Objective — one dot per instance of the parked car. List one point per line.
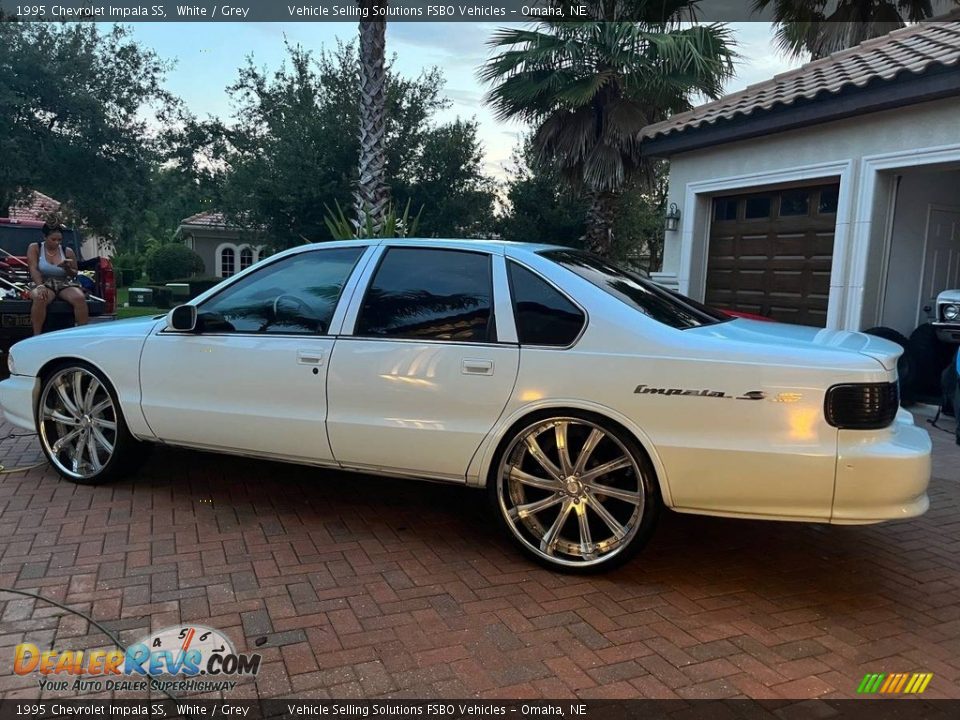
(947, 316)
(15, 237)
(582, 397)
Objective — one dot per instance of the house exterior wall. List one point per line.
(844, 149)
(917, 191)
(204, 246)
(207, 247)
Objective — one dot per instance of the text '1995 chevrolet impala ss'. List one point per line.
(581, 396)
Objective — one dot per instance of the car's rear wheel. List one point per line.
(81, 427)
(575, 491)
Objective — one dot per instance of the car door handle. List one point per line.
(309, 357)
(477, 367)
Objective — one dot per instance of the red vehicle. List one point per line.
(15, 238)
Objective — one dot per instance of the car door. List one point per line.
(428, 366)
(252, 377)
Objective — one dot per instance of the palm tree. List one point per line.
(808, 27)
(372, 196)
(589, 88)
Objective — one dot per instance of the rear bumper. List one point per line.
(17, 395)
(882, 475)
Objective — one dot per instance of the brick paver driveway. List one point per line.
(353, 586)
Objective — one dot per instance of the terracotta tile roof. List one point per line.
(913, 49)
(206, 219)
(36, 206)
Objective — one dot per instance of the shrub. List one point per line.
(167, 262)
(128, 267)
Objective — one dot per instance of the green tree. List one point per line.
(817, 28)
(293, 149)
(541, 206)
(589, 88)
(446, 177)
(76, 101)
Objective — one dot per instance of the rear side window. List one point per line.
(630, 288)
(426, 294)
(543, 315)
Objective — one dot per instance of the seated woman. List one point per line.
(54, 271)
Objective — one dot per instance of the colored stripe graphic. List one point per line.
(893, 683)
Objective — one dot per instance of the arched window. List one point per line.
(246, 258)
(227, 262)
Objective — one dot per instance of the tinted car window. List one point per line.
(427, 294)
(296, 295)
(640, 294)
(543, 315)
(15, 239)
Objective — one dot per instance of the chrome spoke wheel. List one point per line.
(571, 491)
(78, 423)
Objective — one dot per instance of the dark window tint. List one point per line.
(794, 202)
(638, 293)
(725, 209)
(757, 208)
(15, 239)
(543, 315)
(296, 295)
(828, 200)
(425, 294)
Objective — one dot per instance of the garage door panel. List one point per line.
(778, 267)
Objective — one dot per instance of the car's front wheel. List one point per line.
(577, 492)
(81, 427)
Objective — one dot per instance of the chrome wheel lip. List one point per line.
(565, 497)
(84, 416)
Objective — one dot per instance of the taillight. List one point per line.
(862, 406)
(109, 286)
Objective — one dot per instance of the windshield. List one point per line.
(649, 298)
(15, 239)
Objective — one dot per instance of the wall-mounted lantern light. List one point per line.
(672, 218)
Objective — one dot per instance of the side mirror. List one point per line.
(183, 318)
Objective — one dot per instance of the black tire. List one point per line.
(581, 537)
(59, 388)
(930, 356)
(905, 369)
(948, 386)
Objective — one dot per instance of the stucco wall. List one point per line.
(927, 125)
(205, 247)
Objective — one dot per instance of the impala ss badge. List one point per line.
(647, 390)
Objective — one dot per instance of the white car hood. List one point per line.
(771, 333)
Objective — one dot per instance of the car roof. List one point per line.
(497, 247)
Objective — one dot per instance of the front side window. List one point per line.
(630, 288)
(426, 294)
(296, 295)
(544, 316)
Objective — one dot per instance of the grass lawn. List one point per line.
(123, 297)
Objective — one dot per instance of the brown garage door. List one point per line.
(770, 253)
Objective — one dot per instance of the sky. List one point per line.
(207, 57)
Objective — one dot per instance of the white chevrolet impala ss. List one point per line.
(582, 397)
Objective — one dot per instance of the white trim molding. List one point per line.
(872, 166)
(218, 259)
